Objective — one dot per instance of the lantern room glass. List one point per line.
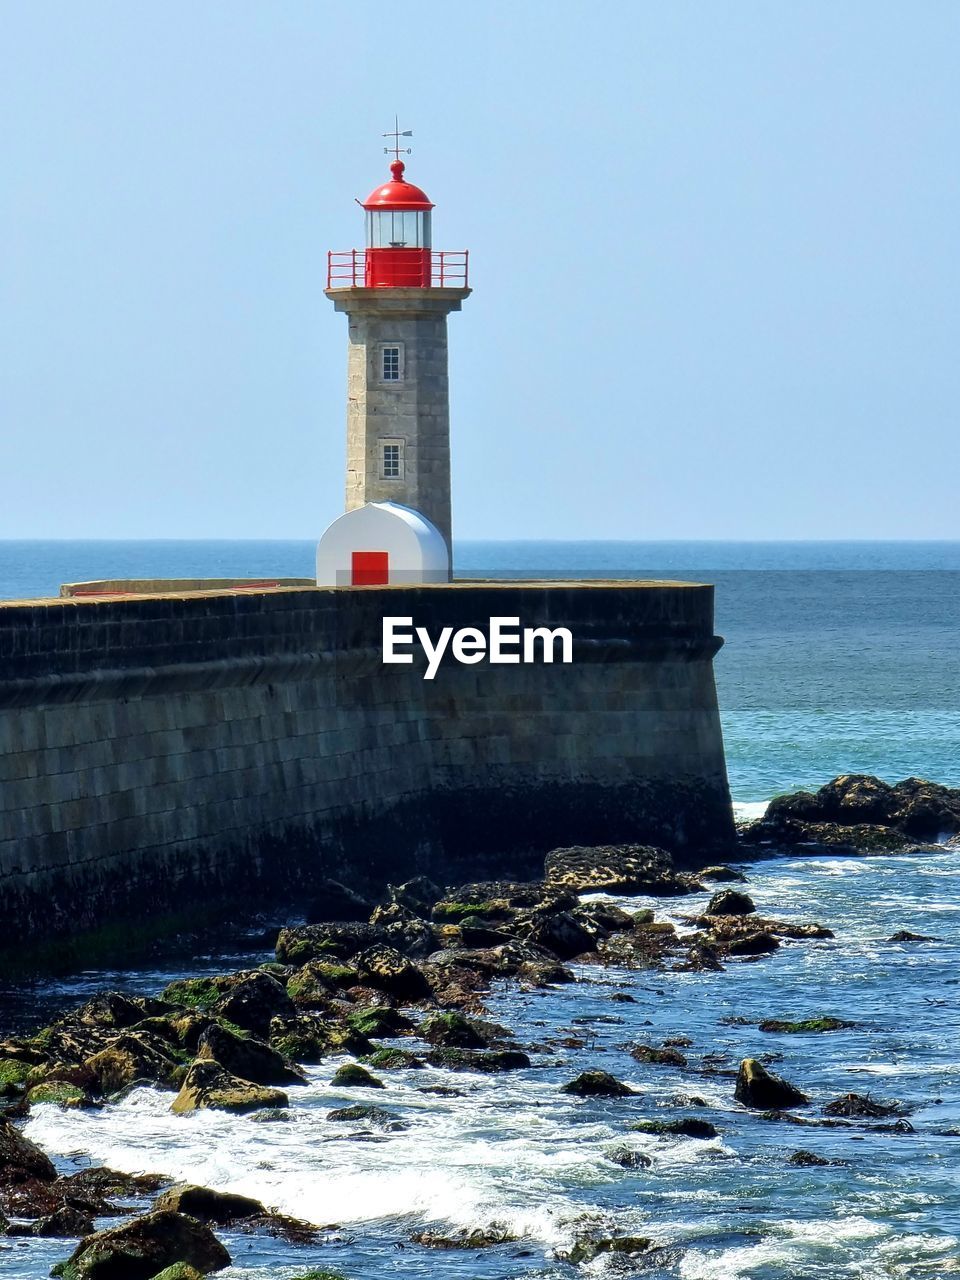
(398, 229)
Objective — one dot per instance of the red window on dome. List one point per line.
(370, 569)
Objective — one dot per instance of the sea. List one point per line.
(838, 658)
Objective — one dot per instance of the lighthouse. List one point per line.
(397, 293)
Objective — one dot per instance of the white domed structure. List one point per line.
(381, 544)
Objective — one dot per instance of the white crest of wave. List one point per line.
(440, 1170)
(749, 810)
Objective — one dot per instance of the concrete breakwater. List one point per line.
(161, 750)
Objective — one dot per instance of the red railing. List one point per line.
(348, 270)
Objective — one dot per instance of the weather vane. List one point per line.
(396, 135)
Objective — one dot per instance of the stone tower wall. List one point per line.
(414, 410)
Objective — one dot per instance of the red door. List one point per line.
(370, 569)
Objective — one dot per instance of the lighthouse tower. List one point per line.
(397, 293)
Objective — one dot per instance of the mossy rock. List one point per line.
(807, 1026)
(207, 1084)
(666, 1056)
(352, 1076)
(686, 1128)
(587, 1250)
(59, 1092)
(193, 993)
(320, 1275)
(393, 1060)
(598, 1084)
(380, 1020)
(144, 1248)
(13, 1072)
(488, 1061)
(13, 1077)
(454, 1031)
(330, 972)
(457, 912)
(179, 1271)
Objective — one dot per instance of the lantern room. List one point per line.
(398, 234)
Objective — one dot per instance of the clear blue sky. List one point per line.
(715, 250)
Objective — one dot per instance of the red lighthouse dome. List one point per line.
(398, 193)
(398, 234)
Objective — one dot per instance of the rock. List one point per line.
(855, 1104)
(180, 1271)
(702, 958)
(926, 810)
(761, 1090)
(320, 983)
(453, 911)
(730, 902)
(414, 938)
(808, 1026)
(686, 1128)
(417, 895)
(627, 869)
(562, 934)
(102, 1181)
(456, 1031)
(334, 901)
(300, 1039)
(904, 935)
(352, 1076)
(195, 993)
(627, 1158)
(375, 1115)
(488, 1062)
(326, 941)
(246, 1057)
(133, 1056)
(807, 1160)
(380, 1020)
(118, 1010)
(388, 970)
(544, 973)
(665, 1057)
(606, 916)
(393, 1060)
(473, 934)
(752, 944)
(722, 874)
(253, 1000)
(478, 1238)
(208, 1205)
(863, 813)
(598, 1084)
(627, 1246)
(66, 1222)
(142, 1248)
(209, 1085)
(60, 1093)
(21, 1159)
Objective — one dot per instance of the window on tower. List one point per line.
(390, 364)
(391, 460)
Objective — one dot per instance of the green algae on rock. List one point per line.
(209, 1085)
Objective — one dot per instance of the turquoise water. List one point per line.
(839, 657)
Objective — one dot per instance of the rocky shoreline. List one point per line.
(417, 967)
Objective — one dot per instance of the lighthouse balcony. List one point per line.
(398, 268)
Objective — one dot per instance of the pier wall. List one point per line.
(232, 746)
